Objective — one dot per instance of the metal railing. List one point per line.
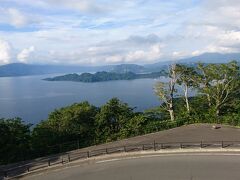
(67, 157)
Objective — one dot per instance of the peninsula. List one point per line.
(105, 76)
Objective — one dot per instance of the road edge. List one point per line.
(128, 155)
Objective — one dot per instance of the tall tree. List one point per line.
(66, 124)
(165, 91)
(223, 85)
(14, 140)
(113, 116)
(205, 80)
(187, 79)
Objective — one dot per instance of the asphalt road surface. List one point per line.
(155, 167)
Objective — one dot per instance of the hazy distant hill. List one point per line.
(19, 69)
(212, 58)
(204, 58)
(124, 68)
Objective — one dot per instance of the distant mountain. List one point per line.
(204, 58)
(124, 68)
(19, 69)
(212, 58)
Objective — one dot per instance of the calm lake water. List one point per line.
(33, 99)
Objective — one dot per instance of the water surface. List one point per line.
(32, 98)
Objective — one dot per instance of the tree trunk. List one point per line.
(217, 112)
(171, 112)
(186, 98)
(172, 88)
(217, 109)
(209, 100)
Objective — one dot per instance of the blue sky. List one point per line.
(97, 32)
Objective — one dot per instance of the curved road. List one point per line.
(160, 167)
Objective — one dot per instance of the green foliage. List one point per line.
(217, 92)
(66, 124)
(14, 141)
(166, 91)
(186, 75)
(134, 127)
(104, 76)
(113, 116)
(221, 84)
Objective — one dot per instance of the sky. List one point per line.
(99, 32)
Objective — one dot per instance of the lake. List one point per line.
(32, 99)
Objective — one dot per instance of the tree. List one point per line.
(135, 126)
(165, 91)
(204, 80)
(112, 117)
(14, 141)
(75, 122)
(187, 78)
(222, 84)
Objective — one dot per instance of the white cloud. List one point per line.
(178, 54)
(196, 53)
(16, 18)
(83, 6)
(217, 48)
(24, 55)
(5, 52)
(146, 55)
(114, 59)
(150, 55)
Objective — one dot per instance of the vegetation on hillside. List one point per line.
(217, 100)
(104, 76)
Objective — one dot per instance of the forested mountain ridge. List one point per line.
(104, 76)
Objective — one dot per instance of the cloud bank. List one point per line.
(5, 52)
(96, 32)
(25, 54)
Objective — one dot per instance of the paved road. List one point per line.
(189, 133)
(165, 167)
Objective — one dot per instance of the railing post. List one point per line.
(222, 145)
(78, 144)
(69, 160)
(28, 169)
(88, 154)
(5, 174)
(60, 148)
(49, 163)
(181, 146)
(24, 156)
